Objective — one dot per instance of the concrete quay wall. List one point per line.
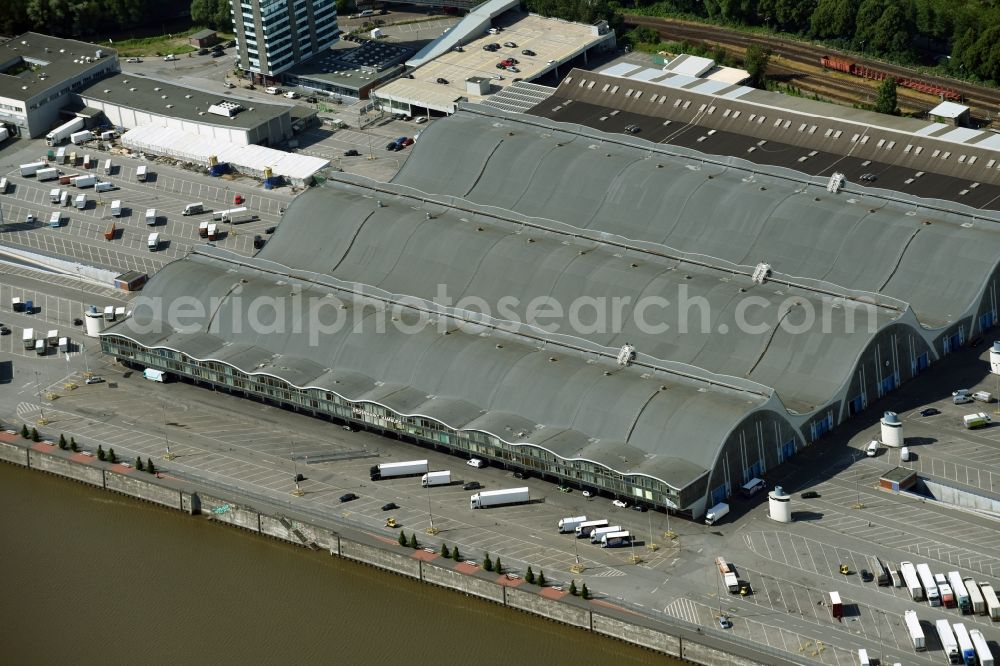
(141, 488)
(64, 467)
(13, 453)
(642, 636)
(296, 532)
(381, 558)
(462, 583)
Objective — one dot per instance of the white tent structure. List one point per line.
(249, 159)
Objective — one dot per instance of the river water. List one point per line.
(91, 577)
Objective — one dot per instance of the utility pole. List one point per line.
(298, 492)
(857, 479)
(651, 545)
(576, 567)
(38, 390)
(430, 516)
(166, 437)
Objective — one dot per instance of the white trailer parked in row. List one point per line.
(983, 652)
(965, 647)
(390, 470)
(489, 498)
(436, 479)
(595, 536)
(911, 580)
(915, 630)
(948, 642)
(584, 529)
(567, 525)
(930, 587)
(975, 596)
(63, 132)
(992, 604)
(961, 594)
(615, 539)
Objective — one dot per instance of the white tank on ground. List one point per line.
(892, 430)
(94, 321)
(995, 358)
(780, 505)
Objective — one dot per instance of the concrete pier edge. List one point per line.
(668, 636)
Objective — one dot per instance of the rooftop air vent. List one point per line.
(761, 273)
(626, 355)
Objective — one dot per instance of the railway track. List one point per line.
(985, 102)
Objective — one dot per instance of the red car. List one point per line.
(238, 199)
(407, 141)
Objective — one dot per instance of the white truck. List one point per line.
(81, 201)
(153, 242)
(141, 173)
(584, 529)
(728, 575)
(911, 580)
(154, 375)
(615, 539)
(961, 594)
(595, 536)
(716, 513)
(489, 498)
(915, 630)
(63, 132)
(225, 215)
(992, 604)
(948, 642)
(983, 651)
(85, 181)
(83, 136)
(151, 217)
(55, 194)
(31, 169)
(104, 186)
(977, 420)
(930, 586)
(52, 339)
(975, 596)
(390, 470)
(50, 173)
(436, 479)
(64, 344)
(567, 525)
(28, 338)
(965, 647)
(116, 208)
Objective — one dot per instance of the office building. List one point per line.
(275, 35)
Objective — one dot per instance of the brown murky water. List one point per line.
(91, 577)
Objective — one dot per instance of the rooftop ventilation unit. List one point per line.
(836, 182)
(626, 355)
(761, 273)
(225, 108)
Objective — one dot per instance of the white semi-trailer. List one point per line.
(992, 604)
(915, 630)
(930, 586)
(961, 594)
(615, 539)
(595, 536)
(983, 651)
(390, 470)
(489, 498)
(965, 647)
(63, 132)
(436, 479)
(975, 596)
(948, 642)
(584, 529)
(911, 580)
(569, 524)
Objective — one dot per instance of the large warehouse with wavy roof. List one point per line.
(646, 320)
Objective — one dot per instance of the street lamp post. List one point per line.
(38, 390)
(430, 516)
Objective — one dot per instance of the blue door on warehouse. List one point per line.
(986, 320)
(753, 471)
(821, 427)
(887, 384)
(786, 451)
(953, 342)
(923, 362)
(856, 405)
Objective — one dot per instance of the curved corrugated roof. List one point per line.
(741, 215)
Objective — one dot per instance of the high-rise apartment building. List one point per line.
(275, 35)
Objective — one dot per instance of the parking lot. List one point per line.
(168, 190)
(374, 160)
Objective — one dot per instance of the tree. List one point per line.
(345, 7)
(72, 444)
(413, 541)
(24, 431)
(444, 550)
(455, 555)
(149, 466)
(34, 435)
(833, 18)
(62, 442)
(755, 62)
(585, 593)
(213, 13)
(100, 453)
(572, 588)
(138, 464)
(111, 456)
(497, 566)
(402, 538)
(487, 563)
(885, 100)
(529, 576)
(541, 578)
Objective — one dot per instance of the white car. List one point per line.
(420, 120)
(621, 504)
(476, 462)
(291, 94)
(587, 493)
(133, 60)
(86, 453)
(169, 58)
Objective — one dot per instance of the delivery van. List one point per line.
(194, 208)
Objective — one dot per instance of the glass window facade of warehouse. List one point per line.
(427, 432)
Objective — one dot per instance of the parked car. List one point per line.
(589, 493)
(810, 494)
(633, 129)
(406, 142)
(725, 623)
(391, 147)
(351, 153)
(565, 489)
(420, 120)
(311, 99)
(442, 81)
(867, 576)
(390, 506)
(270, 230)
(472, 485)
(134, 60)
(347, 497)
(528, 52)
(510, 45)
(640, 508)
(169, 58)
(96, 379)
(202, 51)
(520, 475)
(229, 85)
(930, 411)
(498, 77)
(621, 504)
(218, 54)
(512, 68)
(490, 47)
(476, 462)
(4, 330)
